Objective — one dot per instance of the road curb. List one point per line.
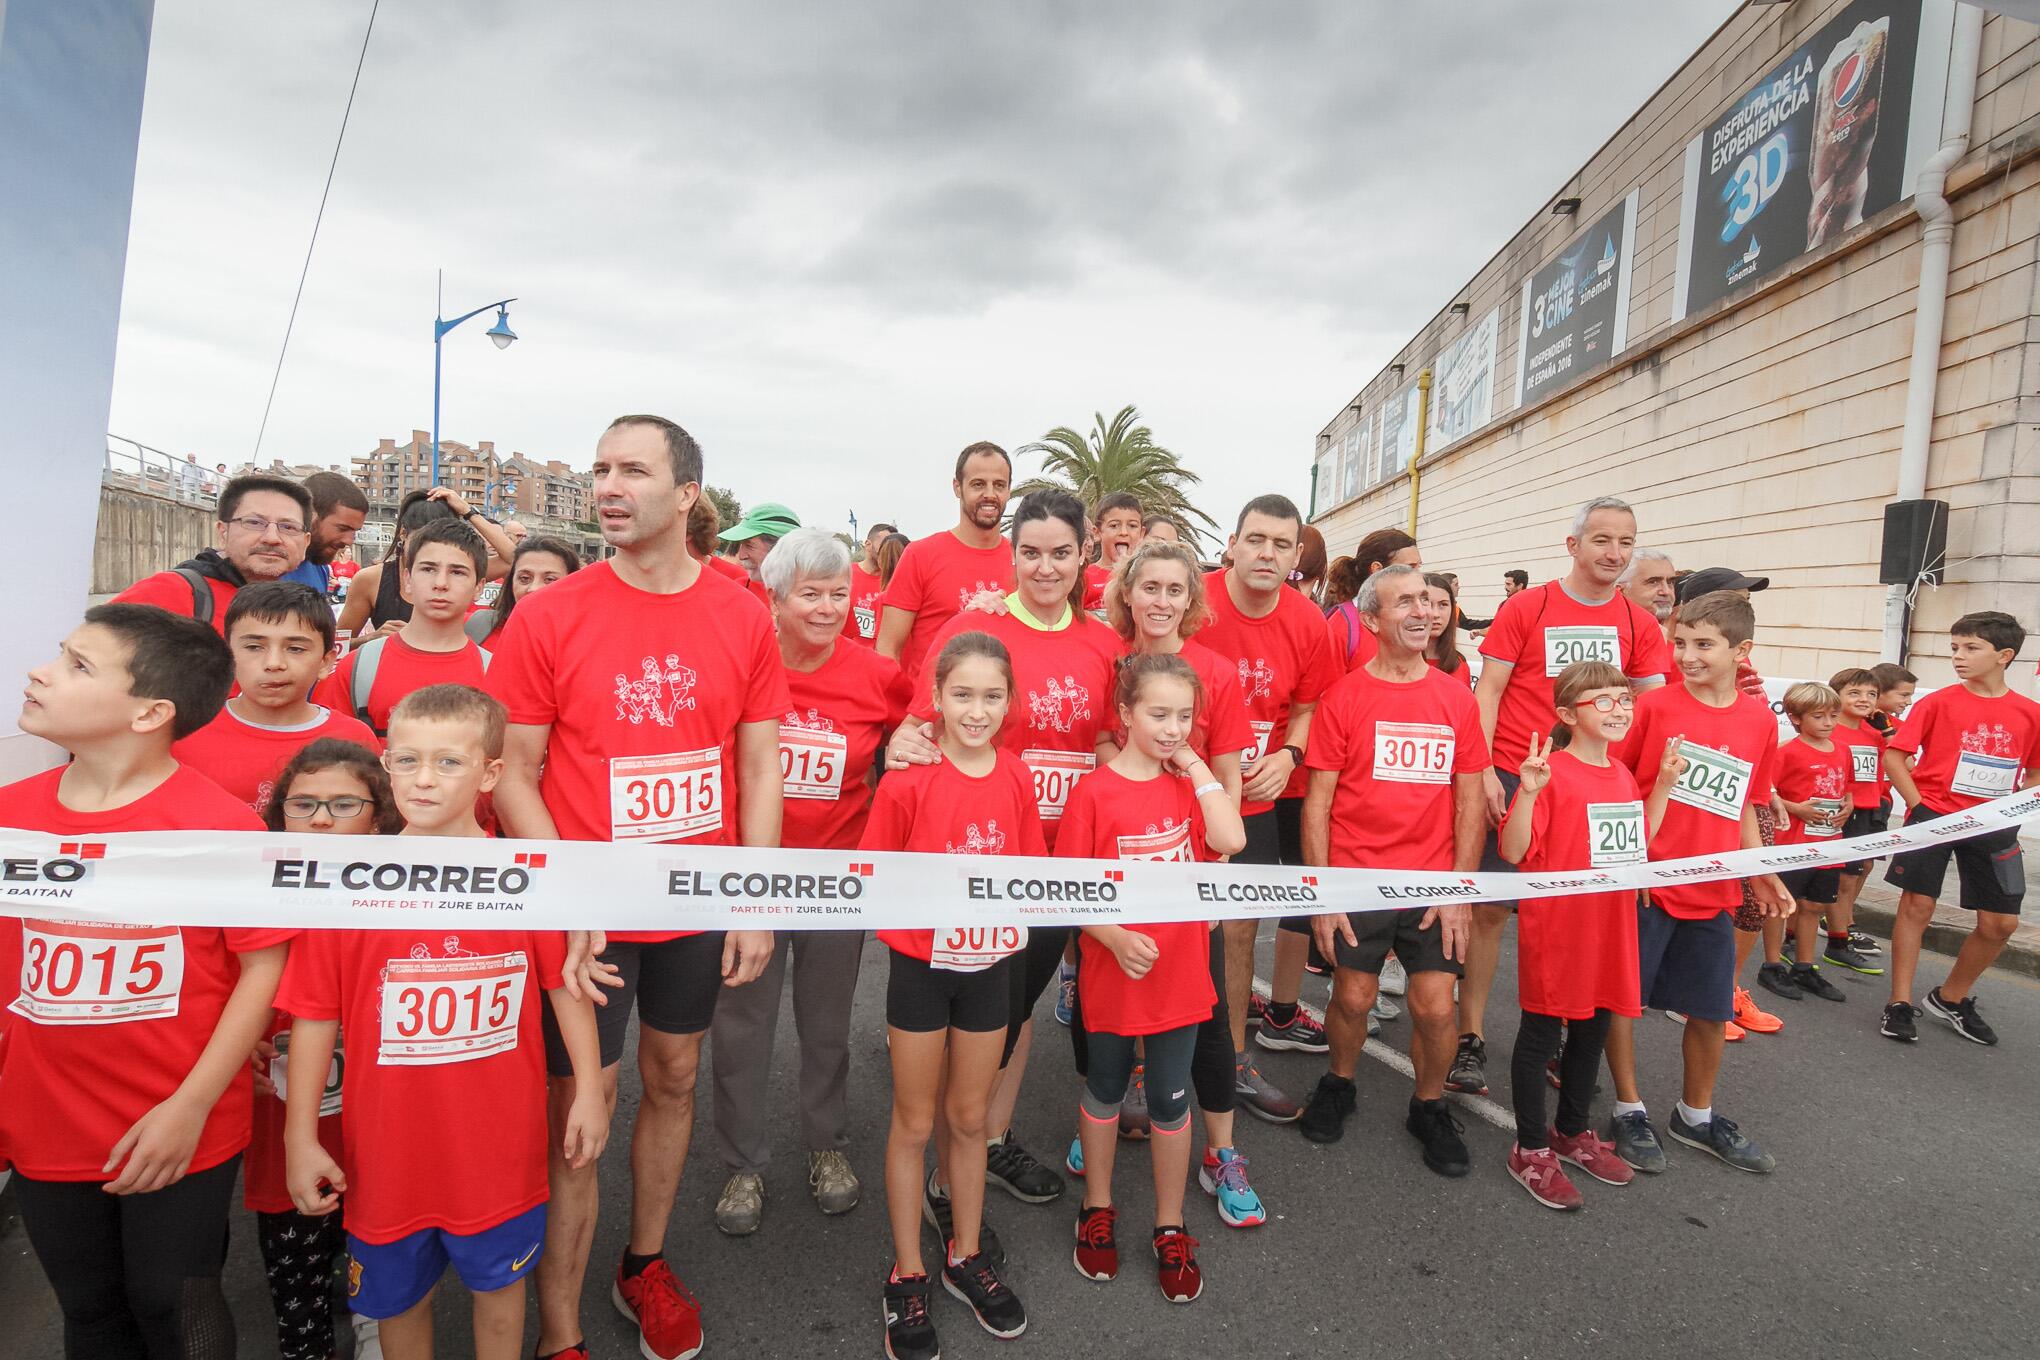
(2021, 955)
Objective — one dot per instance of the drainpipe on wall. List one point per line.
(1417, 458)
(1937, 240)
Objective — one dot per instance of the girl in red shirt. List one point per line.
(1156, 800)
(1576, 956)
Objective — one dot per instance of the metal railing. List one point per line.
(130, 462)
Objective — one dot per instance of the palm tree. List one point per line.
(1119, 456)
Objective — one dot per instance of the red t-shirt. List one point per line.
(866, 591)
(827, 740)
(1865, 747)
(1464, 674)
(1576, 955)
(1096, 576)
(1538, 633)
(1221, 724)
(264, 1189)
(77, 1078)
(1804, 775)
(936, 577)
(1113, 817)
(1968, 749)
(1354, 644)
(643, 694)
(939, 810)
(400, 669)
(244, 759)
(1283, 659)
(1731, 755)
(1397, 748)
(168, 590)
(445, 1093)
(1062, 697)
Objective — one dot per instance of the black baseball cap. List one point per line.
(1709, 579)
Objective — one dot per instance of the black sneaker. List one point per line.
(1808, 979)
(1431, 1122)
(1962, 1017)
(1780, 980)
(1898, 1023)
(909, 1332)
(935, 1209)
(1016, 1171)
(1469, 1068)
(1849, 957)
(1865, 943)
(976, 1281)
(1330, 1106)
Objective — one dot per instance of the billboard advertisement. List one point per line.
(1576, 308)
(1398, 431)
(1463, 383)
(1833, 134)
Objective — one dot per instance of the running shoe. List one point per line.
(1733, 1033)
(1865, 943)
(1302, 1034)
(1636, 1142)
(1176, 1265)
(909, 1331)
(1133, 1111)
(1097, 1251)
(1331, 1105)
(1777, 979)
(1432, 1123)
(1019, 1173)
(1753, 1017)
(834, 1184)
(1810, 981)
(1395, 979)
(935, 1209)
(1261, 1096)
(1900, 1023)
(1594, 1155)
(1257, 1009)
(1720, 1137)
(1065, 993)
(975, 1280)
(1854, 959)
(1224, 1177)
(1537, 1170)
(1469, 1069)
(667, 1317)
(1730, 1030)
(368, 1336)
(1962, 1017)
(742, 1205)
(1073, 1160)
(1383, 1009)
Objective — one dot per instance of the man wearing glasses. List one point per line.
(261, 535)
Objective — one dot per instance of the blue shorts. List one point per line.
(388, 1278)
(1687, 966)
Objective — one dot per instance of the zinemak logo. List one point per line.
(30, 877)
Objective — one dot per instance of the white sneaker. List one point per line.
(1394, 980)
(367, 1338)
(1384, 1009)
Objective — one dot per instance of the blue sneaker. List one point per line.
(1224, 1178)
(1065, 994)
(1074, 1161)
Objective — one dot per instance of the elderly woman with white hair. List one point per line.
(845, 698)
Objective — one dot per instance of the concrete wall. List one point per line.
(140, 534)
(1764, 434)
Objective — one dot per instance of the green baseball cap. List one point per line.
(762, 521)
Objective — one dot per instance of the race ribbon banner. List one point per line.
(245, 878)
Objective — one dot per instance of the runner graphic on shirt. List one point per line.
(658, 694)
(1065, 704)
(990, 841)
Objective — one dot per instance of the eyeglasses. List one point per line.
(1608, 703)
(339, 809)
(257, 525)
(410, 762)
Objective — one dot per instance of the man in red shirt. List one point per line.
(644, 695)
(262, 534)
(939, 574)
(1582, 616)
(753, 537)
(866, 590)
(1651, 582)
(1396, 764)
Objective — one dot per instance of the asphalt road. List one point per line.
(1900, 1221)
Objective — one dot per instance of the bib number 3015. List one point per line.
(666, 797)
(87, 973)
(450, 1010)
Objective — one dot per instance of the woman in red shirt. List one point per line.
(1443, 654)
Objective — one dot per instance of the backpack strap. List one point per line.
(1351, 613)
(201, 594)
(361, 681)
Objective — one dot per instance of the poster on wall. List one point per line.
(1398, 431)
(1575, 314)
(1351, 463)
(1463, 383)
(1833, 134)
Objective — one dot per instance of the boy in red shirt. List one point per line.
(281, 636)
(446, 1155)
(1962, 746)
(443, 566)
(125, 1098)
(1814, 775)
(1685, 933)
(1864, 743)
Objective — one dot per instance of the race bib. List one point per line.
(279, 1075)
(1263, 731)
(1714, 781)
(1614, 834)
(450, 1010)
(88, 973)
(811, 762)
(972, 949)
(664, 798)
(1055, 774)
(1828, 807)
(1982, 776)
(1863, 764)
(1413, 753)
(867, 621)
(1580, 642)
(1171, 846)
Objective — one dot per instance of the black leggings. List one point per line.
(138, 1276)
(1212, 1072)
(1537, 1041)
(298, 1253)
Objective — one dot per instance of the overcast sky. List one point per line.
(839, 242)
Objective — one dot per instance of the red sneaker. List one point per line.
(1097, 1253)
(667, 1317)
(1537, 1170)
(1594, 1155)
(1176, 1265)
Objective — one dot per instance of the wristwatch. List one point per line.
(1295, 755)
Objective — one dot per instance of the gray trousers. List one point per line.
(824, 966)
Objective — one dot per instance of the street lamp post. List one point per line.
(500, 333)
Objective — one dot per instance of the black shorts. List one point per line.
(672, 983)
(1276, 837)
(1686, 966)
(1991, 868)
(1863, 821)
(922, 999)
(1818, 886)
(1421, 951)
(1491, 860)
